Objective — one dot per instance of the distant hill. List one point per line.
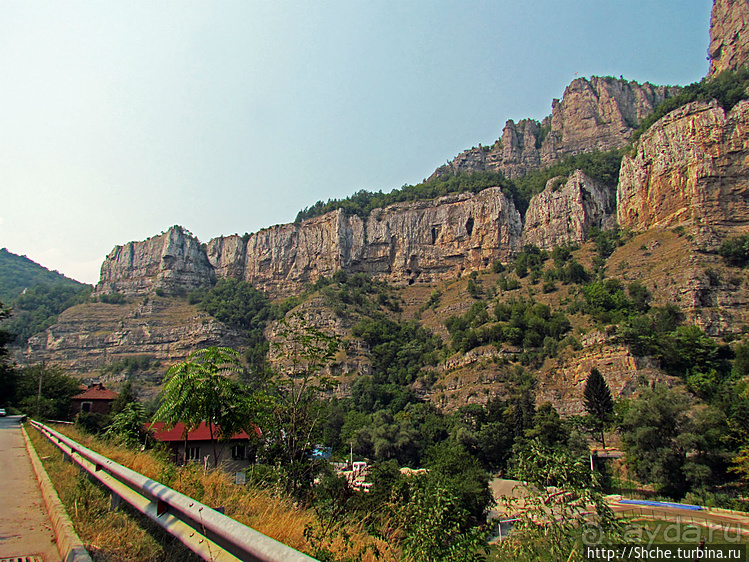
(35, 295)
(19, 272)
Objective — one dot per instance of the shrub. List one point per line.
(735, 250)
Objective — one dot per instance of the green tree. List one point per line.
(8, 373)
(126, 396)
(57, 390)
(293, 409)
(598, 402)
(127, 424)
(559, 494)
(434, 522)
(671, 441)
(548, 426)
(201, 389)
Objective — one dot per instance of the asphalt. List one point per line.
(25, 526)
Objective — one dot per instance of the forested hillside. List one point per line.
(18, 273)
(34, 294)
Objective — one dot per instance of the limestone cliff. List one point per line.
(729, 35)
(408, 242)
(432, 240)
(88, 337)
(599, 113)
(689, 167)
(566, 210)
(173, 261)
(284, 257)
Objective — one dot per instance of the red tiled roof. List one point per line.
(96, 392)
(177, 433)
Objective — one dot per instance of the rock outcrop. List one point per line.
(596, 114)
(566, 210)
(408, 242)
(729, 35)
(689, 167)
(88, 337)
(430, 240)
(173, 261)
(286, 256)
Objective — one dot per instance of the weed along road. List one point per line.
(25, 527)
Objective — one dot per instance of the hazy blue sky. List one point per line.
(119, 119)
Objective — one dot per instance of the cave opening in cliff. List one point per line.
(469, 226)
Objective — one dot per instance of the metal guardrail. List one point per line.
(205, 531)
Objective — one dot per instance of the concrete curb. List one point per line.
(68, 543)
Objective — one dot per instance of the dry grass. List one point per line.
(126, 535)
(123, 535)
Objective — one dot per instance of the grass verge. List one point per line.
(126, 535)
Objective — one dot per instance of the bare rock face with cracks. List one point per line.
(729, 36)
(689, 167)
(405, 243)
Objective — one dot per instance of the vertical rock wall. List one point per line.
(172, 261)
(566, 210)
(729, 35)
(689, 167)
(404, 243)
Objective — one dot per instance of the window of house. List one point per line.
(192, 454)
(86, 406)
(238, 452)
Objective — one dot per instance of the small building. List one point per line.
(95, 399)
(196, 445)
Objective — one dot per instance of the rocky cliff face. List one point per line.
(566, 210)
(87, 337)
(286, 256)
(689, 167)
(431, 240)
(173, 261)
(729, 35)
(596, 114)
(408, 242)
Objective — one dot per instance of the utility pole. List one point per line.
(39, 394)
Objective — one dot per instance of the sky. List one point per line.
(119, 119)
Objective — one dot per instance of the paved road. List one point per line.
(25, 528)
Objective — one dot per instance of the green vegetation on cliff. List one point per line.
(600, 166)
(728, 88)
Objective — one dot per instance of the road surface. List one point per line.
(25, 528)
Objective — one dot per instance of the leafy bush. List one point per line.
(399, 350)
(130, 365)
(519, 322)
(735, 250)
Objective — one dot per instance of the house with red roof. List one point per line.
(197, 446)
(95, 399)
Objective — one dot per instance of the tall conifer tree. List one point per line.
(598, 401)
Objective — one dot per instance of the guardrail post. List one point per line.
(114, 502)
